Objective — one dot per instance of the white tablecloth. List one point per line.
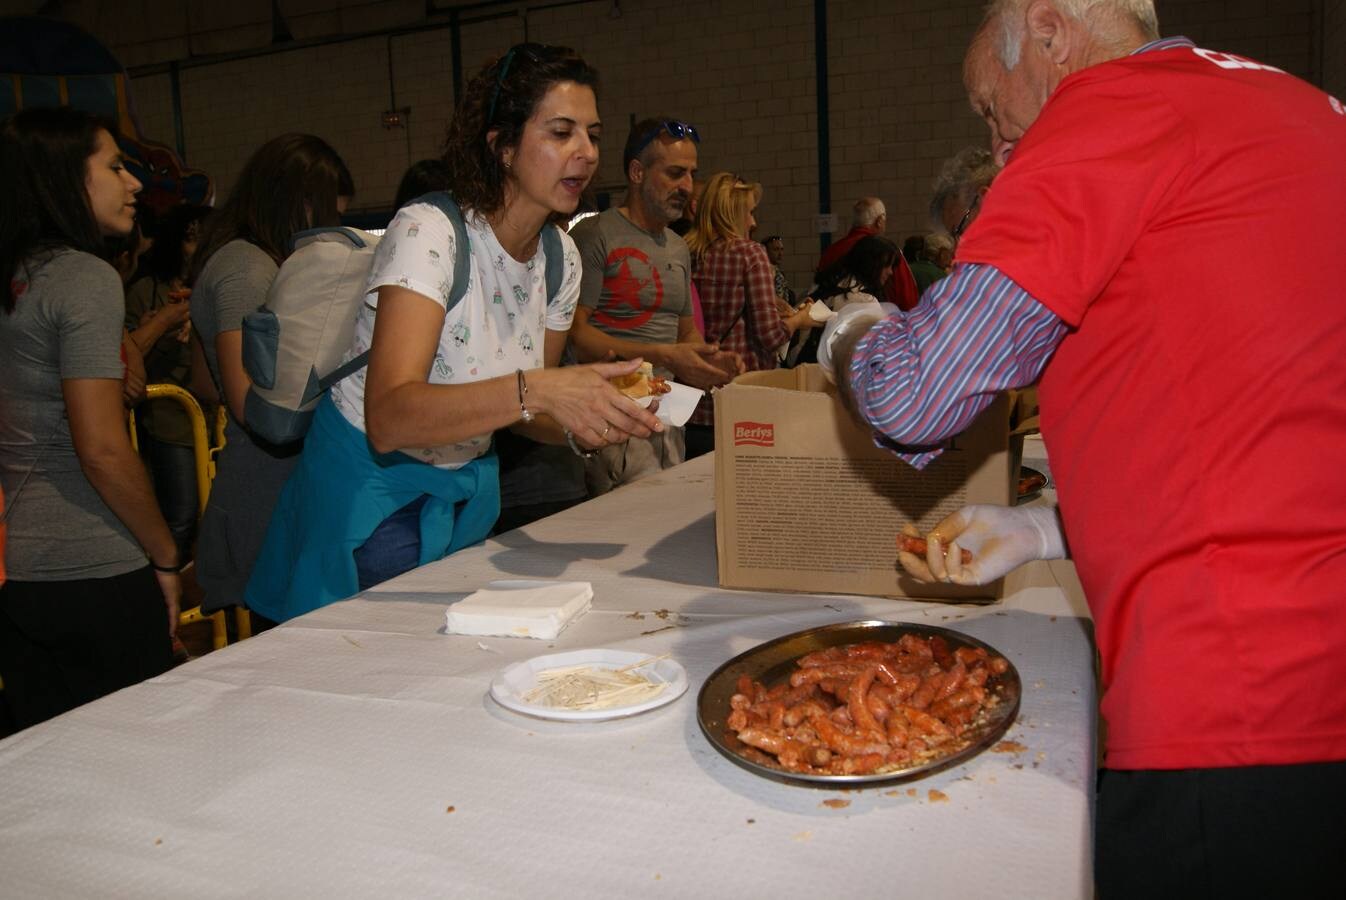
(354, 752)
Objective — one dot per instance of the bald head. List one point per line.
(869, 211)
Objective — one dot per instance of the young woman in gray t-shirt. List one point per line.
(92, 567)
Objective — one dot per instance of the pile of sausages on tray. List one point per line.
(867, 708)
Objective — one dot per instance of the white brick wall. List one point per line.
(741, 70)
(152, 102)
(1270, 31)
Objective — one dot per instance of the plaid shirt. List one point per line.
(736, 282)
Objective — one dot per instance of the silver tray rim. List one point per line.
(764, 657)
(1024, 471)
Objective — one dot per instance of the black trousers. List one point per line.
(1259, 831)
(64, 643)
(700, 440)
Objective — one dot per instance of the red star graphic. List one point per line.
(622, 289)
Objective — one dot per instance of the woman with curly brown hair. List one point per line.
(398, 467)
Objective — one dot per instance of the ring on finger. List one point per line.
(606, 429)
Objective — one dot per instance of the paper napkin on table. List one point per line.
(532, 609)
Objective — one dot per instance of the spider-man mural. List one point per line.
(44, 62)
(166, 182)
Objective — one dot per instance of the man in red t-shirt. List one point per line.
(870, 217)
(1194, 408)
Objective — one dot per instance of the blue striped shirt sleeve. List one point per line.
(921, 377)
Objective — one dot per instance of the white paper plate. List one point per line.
(514, 681)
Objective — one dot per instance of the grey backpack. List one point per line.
(293, 343)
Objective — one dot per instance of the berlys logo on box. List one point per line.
(756, 434)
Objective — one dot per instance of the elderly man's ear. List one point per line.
(1048, 29)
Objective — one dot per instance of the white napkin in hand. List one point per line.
(533, 609)
(820, 311)
(677, 406)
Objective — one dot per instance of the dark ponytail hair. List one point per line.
(502, 97)
(290, 183)
(44, 200)
(864, 264)
(419, 179)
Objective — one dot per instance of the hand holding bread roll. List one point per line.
(641, 383)
(582, 400)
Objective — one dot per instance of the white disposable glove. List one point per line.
(851, 318)
(1000, 538)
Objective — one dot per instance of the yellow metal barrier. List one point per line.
(200, 439)
(217, 437)
(204, 452)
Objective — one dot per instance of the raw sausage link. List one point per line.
(856, 709)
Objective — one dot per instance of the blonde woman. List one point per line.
(735, 280)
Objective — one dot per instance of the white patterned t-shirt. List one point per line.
(500, 324)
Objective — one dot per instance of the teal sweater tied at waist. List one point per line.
(338, 494)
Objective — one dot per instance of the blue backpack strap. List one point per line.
(462, 257)
(556, 270)
(462, 260)
(354, 364)
(462, 270)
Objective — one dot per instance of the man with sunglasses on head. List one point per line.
(870, 217)
(635, 293)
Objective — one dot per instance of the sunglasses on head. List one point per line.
(533, 52)
(677, 130)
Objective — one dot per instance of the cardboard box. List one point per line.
(804, 501)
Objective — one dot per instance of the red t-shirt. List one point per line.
(1182, 211)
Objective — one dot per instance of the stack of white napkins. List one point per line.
(533, 609)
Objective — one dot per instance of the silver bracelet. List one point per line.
(570, 439)
(524, 411)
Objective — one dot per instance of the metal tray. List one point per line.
(1036, 481)
(773, 661)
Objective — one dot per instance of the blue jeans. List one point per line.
(173, 470)
(393, 548)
